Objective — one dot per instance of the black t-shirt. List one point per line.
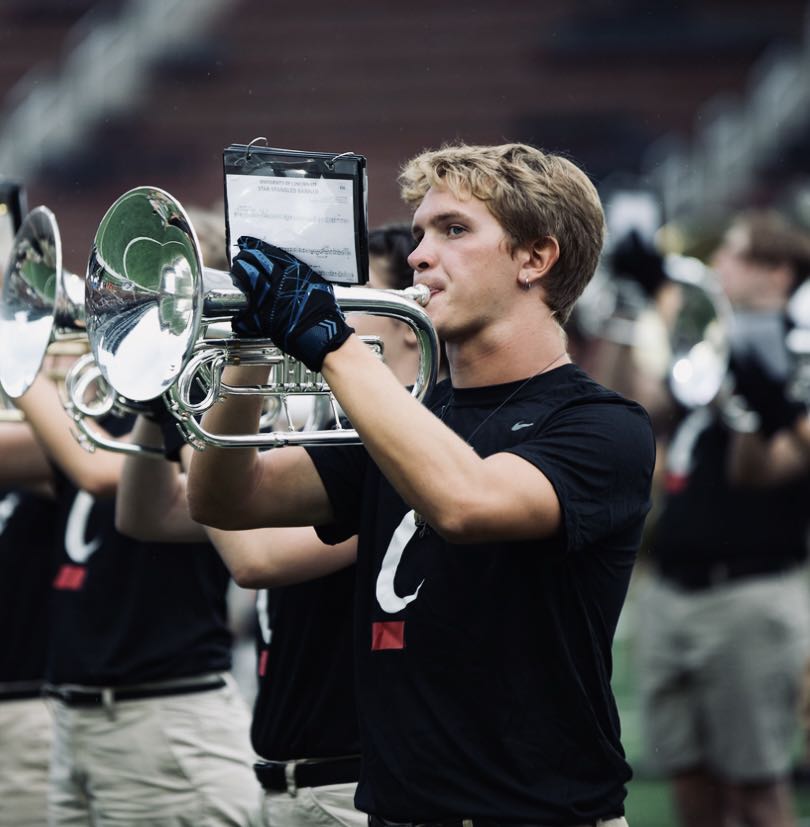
(27, 567)
(125, 611)
(305, 706)
(484, 670)
(706, 522)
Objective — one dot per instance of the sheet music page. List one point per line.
(312, 218)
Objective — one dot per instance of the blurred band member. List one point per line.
(304, 718)
(148, 725)
(724, 623)
(27, 518)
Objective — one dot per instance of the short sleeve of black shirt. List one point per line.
(343, 472)
(591, 454)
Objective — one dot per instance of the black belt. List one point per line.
(279, 776)
(376, 821)
(698, 579)
(98, 697)
(20, 690)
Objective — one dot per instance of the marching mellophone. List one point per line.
(157, 323)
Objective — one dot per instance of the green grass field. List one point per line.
(648, 803)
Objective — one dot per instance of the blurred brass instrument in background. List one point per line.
(158, 323)
(42, 303)
(42, 327)
(679, 336)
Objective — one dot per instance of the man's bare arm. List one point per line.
(24, 463)
(237, 488)
(761, 462)
(97, 473)
(462, 496)
(152, 505)
(270, 557)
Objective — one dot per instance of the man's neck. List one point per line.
(494, 360)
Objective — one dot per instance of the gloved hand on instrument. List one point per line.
(288, 302)
(764, 394)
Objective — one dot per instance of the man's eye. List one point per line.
(455, 230)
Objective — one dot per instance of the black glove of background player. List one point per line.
(636, 259)
(764, 394)
(288, 302)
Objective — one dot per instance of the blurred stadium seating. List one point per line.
(97, 97)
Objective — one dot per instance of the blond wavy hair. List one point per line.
(533, 195)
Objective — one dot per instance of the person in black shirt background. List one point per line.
(27, 567)
(147, 724)
(304, 717)
(724, 622)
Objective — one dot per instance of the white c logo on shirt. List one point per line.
(387, 597)
(77, 548)
(8, 505)
(263, 616)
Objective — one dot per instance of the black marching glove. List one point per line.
(288, 302)
(636, 259)
(764, 394)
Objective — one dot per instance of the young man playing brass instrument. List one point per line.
(497, 525)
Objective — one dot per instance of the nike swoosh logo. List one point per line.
(520, 425)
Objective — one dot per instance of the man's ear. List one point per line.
(538, 260)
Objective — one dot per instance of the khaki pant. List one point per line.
(720, 674)
(328, 806)
(25, 745)
(162, 762)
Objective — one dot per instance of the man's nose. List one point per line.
(421, 258)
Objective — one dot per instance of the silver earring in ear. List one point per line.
(527, 284)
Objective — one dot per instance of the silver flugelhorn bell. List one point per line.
(696, 316)
(41, 303)
(152, 309)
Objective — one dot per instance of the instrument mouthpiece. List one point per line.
(420, 293)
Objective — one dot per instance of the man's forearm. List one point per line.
(99, 472)
(237, 488)
(151, 502)
(271, 557)
(759, 462)
(24, 461)
(219, 477)
(433, 469)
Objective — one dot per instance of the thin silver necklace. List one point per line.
(418, 518)
(514, 393)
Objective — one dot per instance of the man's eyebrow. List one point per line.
(441, 218)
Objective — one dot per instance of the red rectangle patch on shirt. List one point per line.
(389, 634)
(70, 578)
(675, 483)
(263, 662)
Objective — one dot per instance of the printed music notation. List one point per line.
(312, 218)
